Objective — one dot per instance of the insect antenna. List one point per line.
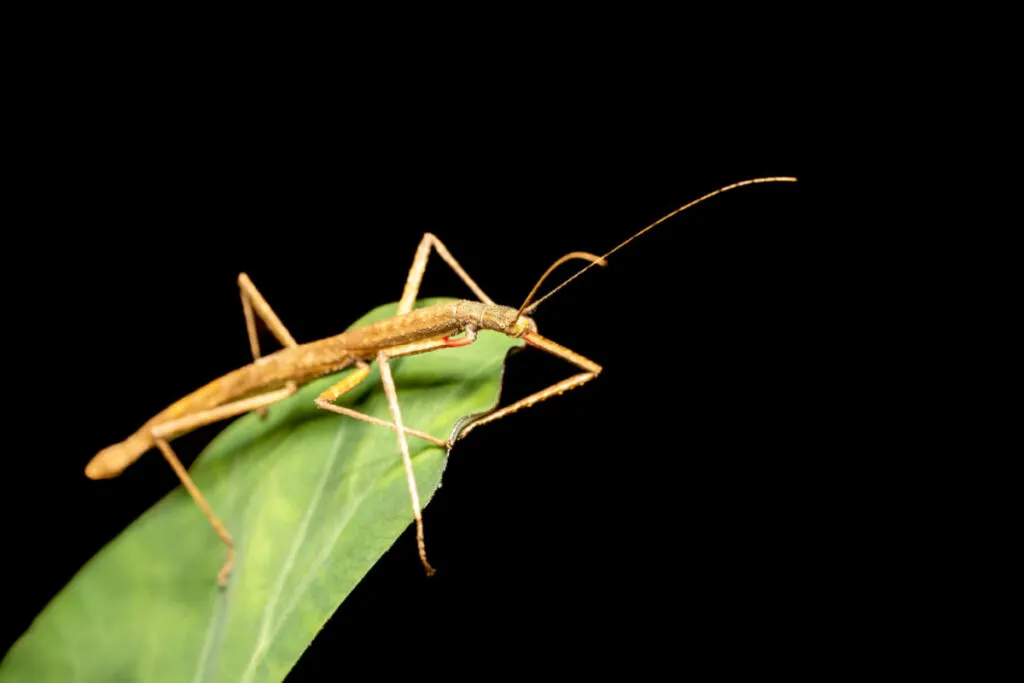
(586, 256)
(600, 260)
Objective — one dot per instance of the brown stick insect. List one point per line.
(274, 377)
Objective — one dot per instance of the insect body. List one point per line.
(403, 334)
(274, 377)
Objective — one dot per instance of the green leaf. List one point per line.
(312, 499)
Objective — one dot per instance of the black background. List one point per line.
(684, 507)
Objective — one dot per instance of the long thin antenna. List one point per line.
(599, 261)
(594, 261)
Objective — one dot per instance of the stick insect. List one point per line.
(277, 376)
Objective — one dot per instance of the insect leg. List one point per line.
(162, 432)
(419, 264)
(325, 401)
(403, 444)
(592, 370)
(253, 301)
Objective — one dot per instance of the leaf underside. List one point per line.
(312, 500)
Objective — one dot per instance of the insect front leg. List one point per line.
(592, 370)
